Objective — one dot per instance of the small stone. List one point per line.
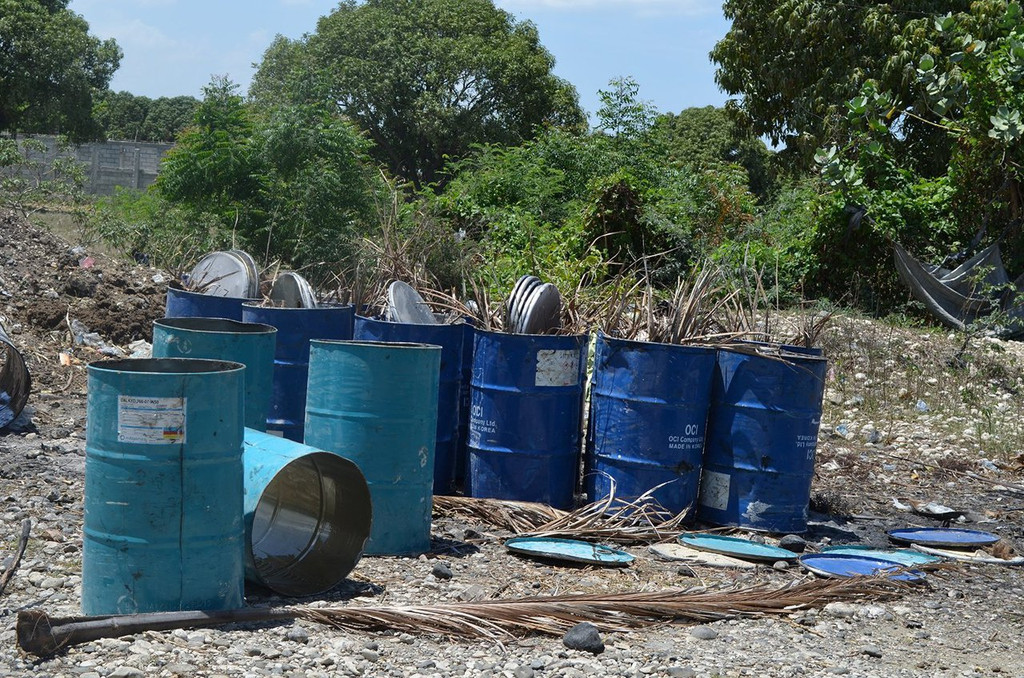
(298, 634)
(794, 543)
(680, 672)
(181, 669)
(524, 672)
(871, 651)
(781, 565)
(841, 610)
(441, 571)
(370, 655)
(471, 593)
(126, 672)
(584, 636)
(703, 633)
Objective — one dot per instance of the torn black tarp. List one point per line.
(976, 289)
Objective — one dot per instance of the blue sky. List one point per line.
(172, 47)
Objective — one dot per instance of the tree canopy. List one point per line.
(425, 79)
(707, 137)
(793, 64)
(130, 117)
(50, 69)
(292, 181)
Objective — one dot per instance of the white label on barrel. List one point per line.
(151, 421)
(714, 490)
(557, 368)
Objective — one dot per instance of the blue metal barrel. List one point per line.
(185, 304)
(648, 416)
(163, 487)
(762, 435)
(307, 515)
(295, 328)
(376, 404)
(251, 344)
(449, 338)
(525, 416)
(466, 379)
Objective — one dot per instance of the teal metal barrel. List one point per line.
(295, 328)
(307, 515)
(762, 435)
(163, 528)
(375, 403)
(526, 412)
(251, 344)
(449, 338)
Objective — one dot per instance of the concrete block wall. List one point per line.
(111, 164)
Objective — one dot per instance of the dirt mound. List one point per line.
(51, 291)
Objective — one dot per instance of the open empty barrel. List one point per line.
(449, 337)
(307, 515)
(375, 403)
(163, 527)
(15, 382)
(251, 344)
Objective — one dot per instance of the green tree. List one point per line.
(426, 79)
(213, 167)
(292, 182)
(974, 90)
(168, 117)
(707, 137)
(606, 199)
(50, 69)
(129, 117)
(122, 115)
(793, 64)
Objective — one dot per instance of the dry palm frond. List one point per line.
(744, 312)
(514, 516)
(641, 521)
(494, 620)
(693, 311)
(501, 619)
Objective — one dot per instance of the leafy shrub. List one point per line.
(144, 225)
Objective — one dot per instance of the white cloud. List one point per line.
(135, 32)
(689, 7)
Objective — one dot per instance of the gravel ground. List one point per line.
(909, 417)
